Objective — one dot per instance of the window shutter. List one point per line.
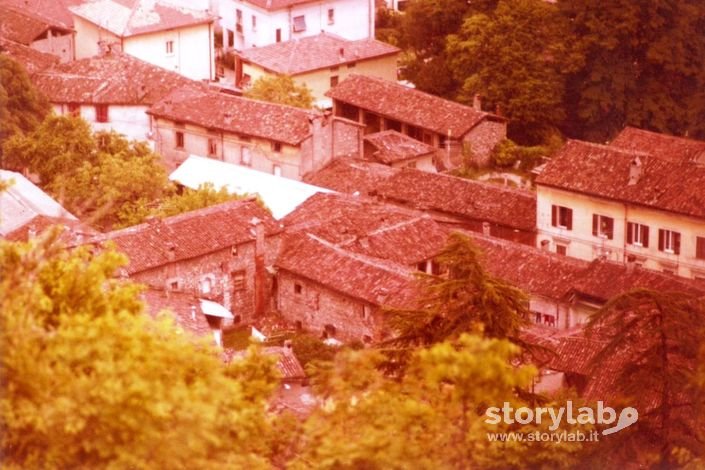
(676, 243)
(610, 228)
(645, 236)
(660, 239)
(630, 236)
(554, 216)
(700, 248)
(569, 217)
(595, 222)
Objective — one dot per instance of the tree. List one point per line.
(281, 89)
(651, 343)
(517, 59)
(467, 299)
(22, 107)
(89, 381)
(433, 418)
(191, 199)
(639, 68)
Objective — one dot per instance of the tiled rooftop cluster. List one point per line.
(392, 147)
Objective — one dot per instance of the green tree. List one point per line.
(651, 344)
(639, 67)
(465, 299)
(89, 381)
(517, 58)
(433, 418)
(281, 89)
(191, 199)
(22, 107)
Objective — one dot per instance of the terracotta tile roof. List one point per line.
(73, 229)
(371, 280)
(113, 78)
(55, 12)
(184, 308)
(315, 52)
(23, 26)
(126, 18)
(393, 146)
(237, 115)
(196, 233)
(665, 183)
(369, 228)
(287, 362)
(350, 176)
(33, 60)
(408, 105)
(662, 146)
(461, 197)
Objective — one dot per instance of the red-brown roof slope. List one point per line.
(126, 18)
(370, 228)
(461, 197)
(23, 26)
(196, 233)
(603, 171)
(237, 115)
(184, 308)
(55, 12)
(350, 176)
(72, 229)
(405, 104)
(315, 52)
(33, 60)
(393, 147)
(113, 78)
(360, 277)
(662, 146)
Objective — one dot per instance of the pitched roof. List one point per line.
(23, 201)
(126, 18)
(72, 229)
(670, 183)
(287, 362)
(237, 115)
(311, 53)
(113, 78)
(405, 104)
(32, 59)
(662, 146)
(52, 11)
(183, 307)
(196, 233)
(371, 280)
(369, 228)
(393, 146)
(461, 197)
(350, 176)
(23, 26)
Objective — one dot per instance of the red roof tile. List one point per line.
(360, 277)
(184, 308)
(350, 176)
(237, 115)
(393, 147)
(23, 26)
(114, 78)
(55, 12)
(287, 362)
(461, 197)
(405, 104)
(667, 183)
(196, 233)
(32, 60)
(662, 146)
(73, 229)
(315, 52)
(126, 18)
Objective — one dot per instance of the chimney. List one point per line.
(545, 245)
(341, 52)
(634, 171)
(477, 102)
(486, 229)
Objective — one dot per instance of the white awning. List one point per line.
(214, 309)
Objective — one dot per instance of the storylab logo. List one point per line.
(603, 415)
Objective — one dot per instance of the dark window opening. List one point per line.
(101, 113)
(179, 140)
(297, 288)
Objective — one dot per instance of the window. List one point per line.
(333, 81)
(169, 47)
(347, 111)
(669, 241)
(331, 16)
(238, 280)
(352, 65)
(279, 35)
(101, 113)
(238, 21)
(299, 24)
(638, 234)
(212, 147)
(74, 109)
(174, 285)
(562, 217)
(421, 266)
(276, 147)
(391, 125)
(410, 165)
(254, 23)
(297, 288)
(603, 226)
(414, 132)
(206, 285)
(179, 140)
(561, 250)
(700, 247)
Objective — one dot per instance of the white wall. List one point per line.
(131, 121)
